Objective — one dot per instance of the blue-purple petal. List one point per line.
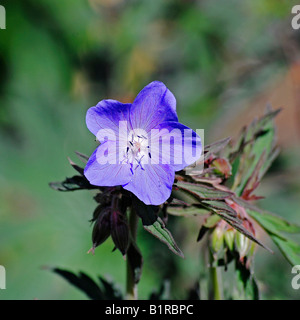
(106, 115)
(108, 174)
(153, 105)
(179, 146)
(152, 184)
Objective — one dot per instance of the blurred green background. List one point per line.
(223, 61)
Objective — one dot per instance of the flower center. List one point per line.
(137, 151)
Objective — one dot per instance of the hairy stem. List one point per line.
(131, 287)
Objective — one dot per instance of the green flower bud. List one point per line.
(217, 239)
(229, 237)
(242, 244)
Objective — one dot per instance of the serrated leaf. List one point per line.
(159, 230)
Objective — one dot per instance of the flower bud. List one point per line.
(97, 212)
(119, 231)
(101, 229)
(243, 244)
(222, 166)
(229, 237)
(217, 239)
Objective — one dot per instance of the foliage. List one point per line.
(222, 192)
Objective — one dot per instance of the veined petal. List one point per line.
(104, 168)
(153, 105)
(152, 184)
(106, 117)
(175, 144)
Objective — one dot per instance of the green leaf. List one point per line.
(220, 205)
(201, 192)
(159, 230)
(153, 224)
(183, 196)
(186, 211)
(258, 139)
(289, 248)
(276, 227)
(271, 223)
(215, 147)
(246, 284)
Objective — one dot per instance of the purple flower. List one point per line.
(142, 144)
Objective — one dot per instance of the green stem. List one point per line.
(131, 287)
(216, 279)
